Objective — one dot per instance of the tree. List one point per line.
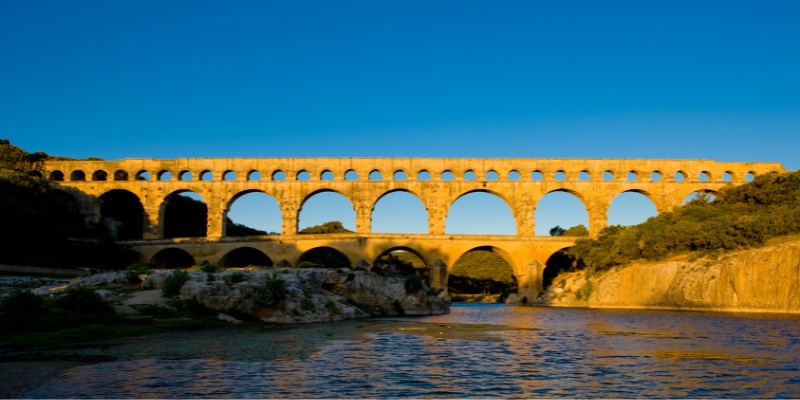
(557, 231)
(328, 227)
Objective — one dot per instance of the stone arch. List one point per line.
(375, 175)
(77, 175)
(543, 214)
(537, 175)
(608, 175)
(123, 214)
(100, 175)
(351, 175)
(229, 203)
(491, 176)
(494, 249)
(205, 175)
(181, 220)
(164, 175)
(120, 175)
(557, 262)
(391, 249)
(171, 258)
(416, 205)
(728, 176)
(704, 177)
(469, 175)
(57, 176)
(185, 175)
(253, 175)
(325, 256)
(36, 174)
(228, 175)
(446, 175)
(655, 176)
(278, 175)
(496, 194)
(244, 257)
(514, 175)
(423, 175)
(584, 175)
(326, 175)
(614, 209)
(560, 175)
(325, 190)
(680, 176)
(302, 175)
(633, 176)
(399, 175)
(687, 194)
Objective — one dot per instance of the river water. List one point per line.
(476, 351)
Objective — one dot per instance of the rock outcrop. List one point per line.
(311, 295)
(759, 280)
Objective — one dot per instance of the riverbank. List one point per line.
(764, 280)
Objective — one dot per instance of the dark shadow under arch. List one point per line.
(558, 262)
(123, 214)
(171, 258)
(323, 257)
(245, 257)
(183, 216)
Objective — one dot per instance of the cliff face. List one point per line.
(765, 280)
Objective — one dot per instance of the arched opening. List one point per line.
(704, 177)
(323, 257)
(400, 261)
(326, 175)
(184, 176)
(35, 174)
(164, 175)
(303, 175)
(399, 212)
(608, 176)
(558, 263)
(633, 176)
(537, 176)
(655, 176)
(120, 175)
(57, 176)
(254, 175)
(446, 175)
(492, 176)
(481, 275)
(480, 213)
(631, 208)
(560, 176)
(123, 214)
(142, 176)
(399, 175)
(559, 209)
(700, 196)
(351, 175)
(750, 176)
(185, 215)
(253, 213)
(324, 207)
(278, 175)
(469, 175)
(513, 175)
(424, 175)
(100, 175)
(727, 176)
(584, 176)
(229, 175)
(375, 175)
(245, 257)
(206, 175)
(77, 176)
(680, 176)
(171, 258)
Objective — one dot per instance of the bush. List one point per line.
(208, 267)
(84, 301)
(173, 282)
(235, 277)
(273, 293)
(307, 304)
(584, 292)
(21, 303)
(134, 271)
(332, 307)
(413, 283)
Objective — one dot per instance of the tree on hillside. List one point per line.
(557, 230)
(328, 227)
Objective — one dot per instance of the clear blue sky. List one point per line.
(605, 79)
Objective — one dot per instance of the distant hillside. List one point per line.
(483, 265)
(740, 217)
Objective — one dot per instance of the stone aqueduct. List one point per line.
(437, 182)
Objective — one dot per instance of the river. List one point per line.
(478, 350)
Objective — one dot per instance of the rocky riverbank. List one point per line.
(306, 295)
(758, 280)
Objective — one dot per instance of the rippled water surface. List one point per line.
(476, 351)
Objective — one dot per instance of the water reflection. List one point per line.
(476, 351)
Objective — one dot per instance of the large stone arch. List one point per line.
(381, 195)
(245, 256)
(313, 193)
(338, 259)
(388, 249)
(510, 205)
(171, 257)
(162, 208)
(123, 214)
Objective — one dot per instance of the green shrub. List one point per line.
(273, 293)
(235, 277)
(84, 301)
(210, 278)
(307, 304)
(332, 307)
(585, 291)
(413, 283)
(208, 267)
(134, 271)
(174, 282)
(21, 303)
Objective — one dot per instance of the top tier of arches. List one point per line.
(408, 169)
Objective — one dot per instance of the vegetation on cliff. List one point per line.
(740, 217)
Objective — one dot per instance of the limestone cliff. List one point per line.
(760, 280)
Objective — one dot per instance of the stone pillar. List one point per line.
(529, 282)
(438, 278)
(436, 219)
(152, 229)
(524, 215)
(363, 217)
(290, 213)
(216, 222)
(598, 218)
